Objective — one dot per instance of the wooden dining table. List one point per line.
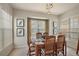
(40, 45)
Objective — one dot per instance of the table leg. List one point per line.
(77, 49)
(36, 50)
(56, 49)
(65, 48)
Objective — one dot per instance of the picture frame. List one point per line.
(20, 22)
(20, 32)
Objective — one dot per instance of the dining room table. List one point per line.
(38, 47)
(41, 45)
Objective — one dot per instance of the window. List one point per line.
(5, 29)
(74, 28)
(37, 26)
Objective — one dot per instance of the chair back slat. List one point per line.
(38, 35)
(49, 44)
(45, 34)
(61, 44)
(60, 41)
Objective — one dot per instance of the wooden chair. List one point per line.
(31, 51)
(45, 34)
(61, 44)
(38, 35)
(77, 48)
(49, 46)
(31, 45)
(47, 37)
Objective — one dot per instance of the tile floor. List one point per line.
(19, 52)
(23, 52)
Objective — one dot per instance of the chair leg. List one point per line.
(77, 47)
(77, 52)
(63, 53)
(46, 54)
(53, 53)
(65, 49)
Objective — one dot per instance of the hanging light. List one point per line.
(49, 6)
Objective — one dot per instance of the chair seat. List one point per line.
(32, 49)
(59, 48)
(47, 52)
(32, 45)
(51, 51)
(32, 53)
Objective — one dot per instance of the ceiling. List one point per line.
(58, 8)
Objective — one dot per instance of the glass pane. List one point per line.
(71, 29)
(5, 29)
(37, 26)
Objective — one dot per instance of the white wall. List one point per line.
(71, 14)
(5, 29)
(22, 41)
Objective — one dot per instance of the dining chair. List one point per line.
(31, 51)
(31, 44)
(38, 35)
(45, 34)
(77, 48)
(61, 44)
(49, 46)
(47, 37)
